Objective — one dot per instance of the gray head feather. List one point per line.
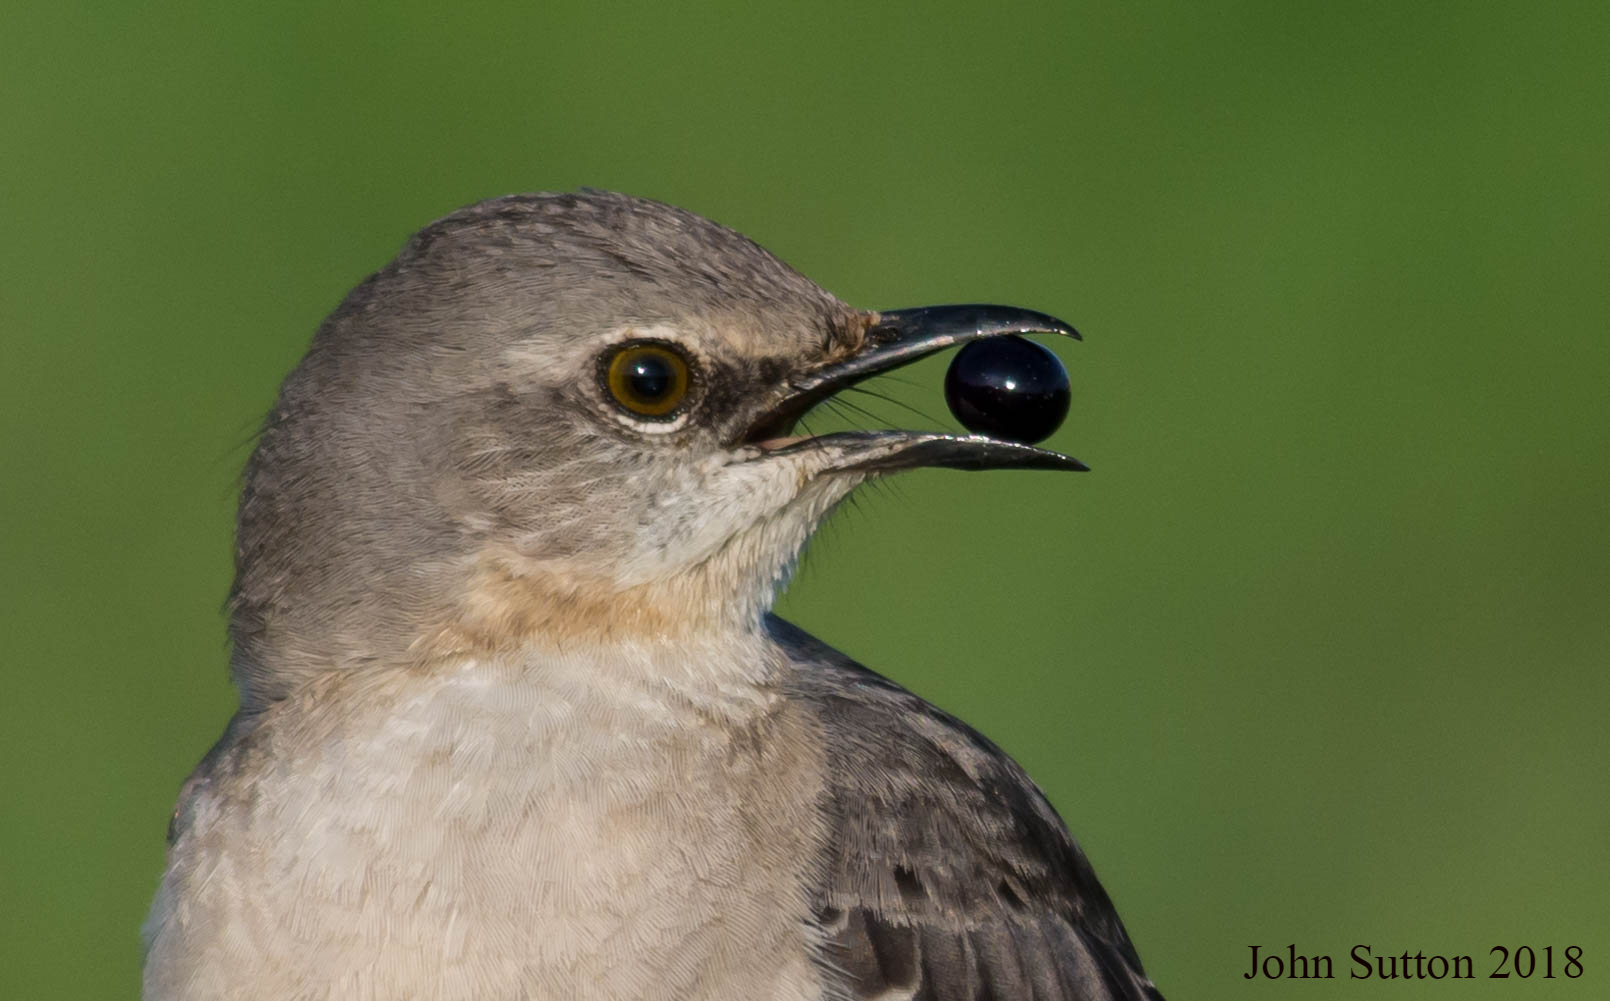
(447, 427)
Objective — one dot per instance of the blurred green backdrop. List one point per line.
(1317, 654)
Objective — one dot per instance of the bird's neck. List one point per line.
(501, 603)
(508, 608)
(704, 627)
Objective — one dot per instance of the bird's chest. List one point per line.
(478, 840)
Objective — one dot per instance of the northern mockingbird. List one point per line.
(515, 719)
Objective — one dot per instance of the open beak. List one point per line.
(899, 337)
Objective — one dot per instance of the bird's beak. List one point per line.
(894, 338)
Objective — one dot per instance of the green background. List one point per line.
(1317, 653)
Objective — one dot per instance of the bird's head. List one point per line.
(559, 420)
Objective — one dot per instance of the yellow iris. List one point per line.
(647, 379)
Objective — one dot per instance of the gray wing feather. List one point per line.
(950, 877)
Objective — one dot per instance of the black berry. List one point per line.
(1008, 387)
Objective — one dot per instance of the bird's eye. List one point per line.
(649, 379)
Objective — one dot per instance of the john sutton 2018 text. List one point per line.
(1523, 963)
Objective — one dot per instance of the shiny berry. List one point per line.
(1008, 387)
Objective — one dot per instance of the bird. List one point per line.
(516, 719)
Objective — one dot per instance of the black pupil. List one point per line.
(650, 377)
